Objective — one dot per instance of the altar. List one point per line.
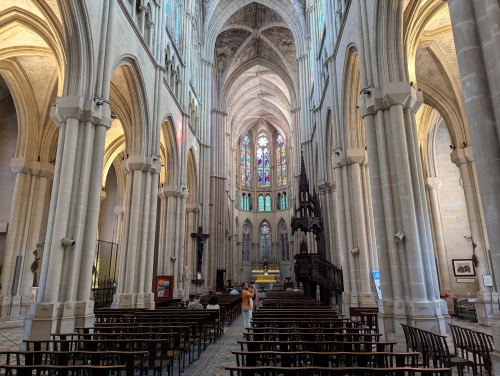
(266, 275)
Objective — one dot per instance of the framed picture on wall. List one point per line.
(163, 287)
(463, 268)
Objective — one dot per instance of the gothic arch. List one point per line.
(352, 122)
(169, 153)
(127, 81)
(192, 177)
(25, 104)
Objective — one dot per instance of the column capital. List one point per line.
(433, 183)
(339, 159)
(20, 165)
(143, 163)
(370, 101)
(401, 93)
(458, 157)
(34, 168)
(194, 208)
(96, 111)
(356, 155)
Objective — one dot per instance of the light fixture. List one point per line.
(399, 236)
(67, 242)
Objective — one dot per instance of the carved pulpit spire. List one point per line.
(308, 215)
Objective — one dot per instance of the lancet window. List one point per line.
(245, 244)
(281, 175)
(263, 161)
(265, 241)
(246, 163)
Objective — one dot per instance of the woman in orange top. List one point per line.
(246, 308)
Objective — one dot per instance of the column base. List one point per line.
(57, 317)
(124, 301)
(13, 310)
(487, 311)
(427, 315)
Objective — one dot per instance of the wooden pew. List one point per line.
(325, 359)
(341, 371)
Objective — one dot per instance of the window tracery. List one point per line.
(265, 241)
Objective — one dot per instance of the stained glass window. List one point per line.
(283, 201)
(261, 206)
(280, 161)
(245, 162)
(245, 248)
(263, 161)
(265, 241)
(267, 204)
(245, 202)
(285, 250)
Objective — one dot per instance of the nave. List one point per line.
(220, 354)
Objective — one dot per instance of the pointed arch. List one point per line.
(169, 153)
(192, 177)
(353, 123)
(128, 94)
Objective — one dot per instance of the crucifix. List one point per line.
(201, 237)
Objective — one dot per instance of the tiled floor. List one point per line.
(216, 356)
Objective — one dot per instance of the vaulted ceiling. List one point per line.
(256, 69)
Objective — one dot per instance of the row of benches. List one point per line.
(126, 341)
(434, 348)
(289, 339)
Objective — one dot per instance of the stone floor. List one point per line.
(214, 358)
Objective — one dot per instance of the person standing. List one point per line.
(255, 296)
(246, 308)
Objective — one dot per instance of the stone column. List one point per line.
(487, 301)
(349, 296)
(409, 280)
(134, 288)
(433, 185)
(63, 300)
(480, 109)
(22, 238)
(359, 250)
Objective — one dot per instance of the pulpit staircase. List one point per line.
(317, 269)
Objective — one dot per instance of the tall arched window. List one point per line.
(267, 204)
(278, 202)
(285, 251)
(261, 206)
(245, 202)
(245, 244)
(280, 162)
(263, 162)
(265, 241)
(245, 162)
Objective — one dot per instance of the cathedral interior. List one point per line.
(146, 138)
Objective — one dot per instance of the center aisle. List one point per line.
(218, 355)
